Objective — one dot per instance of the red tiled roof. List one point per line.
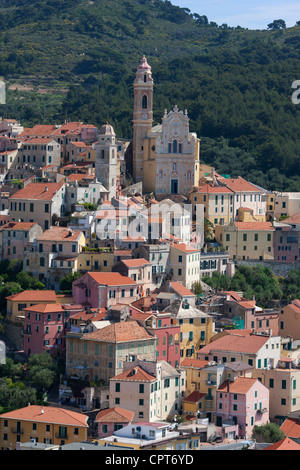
(135, 263)
(208, 188)
(186, 248)
(240, 385)
(60, 234)
(294, 219)
(18, 225)
(48, 414)
(33, 191)
(38, 130)
(45, 308)
(95, 315)
(34, 296)
(119, 333)
(111, 279)
(114, 415)
(239, 185)
(194, 397)
(246, 344)
(291, 427)
(254, 226)
(136, 374)
(181, 289)
(197, 363)
(284, 444)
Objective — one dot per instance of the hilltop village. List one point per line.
(118, 236)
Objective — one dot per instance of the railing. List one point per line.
(17, 430)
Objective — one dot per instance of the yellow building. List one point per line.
(289, 324)
(217, 203)
(17, 302)
(247, 240)
(45, 424)
(196, 327)
(94, 260)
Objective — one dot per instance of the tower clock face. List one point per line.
(144, 116)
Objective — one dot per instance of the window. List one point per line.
(144, 102)
(141, 388)
(117, 387)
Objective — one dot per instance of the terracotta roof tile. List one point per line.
(112, 279)
(291, 427)
(45, 308)
(41, 191)
(284, 444)
(48, 414)
(133, 263)
(181, 289)
(136, 374)
(208, 188)
(34, 296)
(239, 185)
(254, 226)
(60, 234)
(246, 344)
(119, 332)
(114, 415)
(194, 397)
(241, 385)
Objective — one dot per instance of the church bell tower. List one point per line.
(142, 115)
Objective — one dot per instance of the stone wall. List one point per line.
(279, 268)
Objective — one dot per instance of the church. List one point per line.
(165, 156)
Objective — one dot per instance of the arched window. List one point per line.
(174, 146)
(160, 174)
(189, 175)
(145, 78)
(144, 102)
(174, 167)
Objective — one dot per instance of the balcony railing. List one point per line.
(17, 430)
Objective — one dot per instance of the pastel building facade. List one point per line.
(242, 404)
(104, 290)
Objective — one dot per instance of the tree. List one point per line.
(269, 432)
(196, 288)
(66, 282)
(277, 24)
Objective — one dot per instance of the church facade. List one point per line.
(166, 156)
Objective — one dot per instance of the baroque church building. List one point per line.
(166, 156)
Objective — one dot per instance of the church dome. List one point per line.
(144, 64)
(106, 129)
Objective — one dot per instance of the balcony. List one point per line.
(17, 430)
(262, 410)
(59, 435)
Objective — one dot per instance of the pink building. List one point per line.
(44, 328)
(112, 419)
(168, 335)
(140, 270)
(17, 237)
(105, 289)
(240, 405)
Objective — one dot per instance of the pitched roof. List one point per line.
(254, 226)
(249, 344)
(135, 374)
(119, 333)
(186, 248)
(240, 385)
(111, 279)
(60, 234)
(18, 225)
(48, 414)
(239, 184)
(34, 296)
(114, 415)
(284, 444)
(294, 219)
(291, 427)
(40, 191)
(197, 363)
(208, 188)
(194, 397)
(45, 308)
(135, 263)
(181, 289)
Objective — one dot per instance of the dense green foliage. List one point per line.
(234, 82)
(268, 433)
(258, 281)
(21, 384)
